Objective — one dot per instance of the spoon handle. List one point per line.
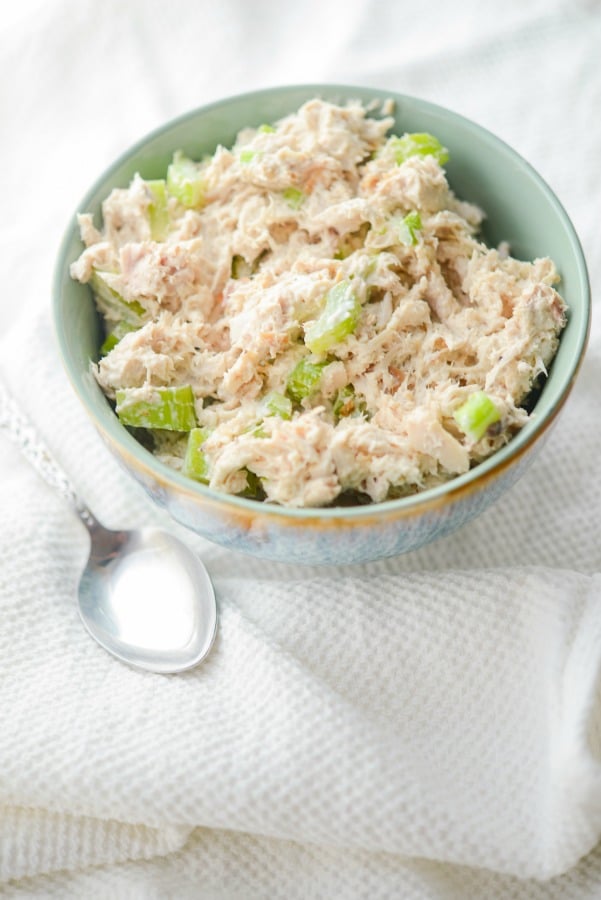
(23, 434)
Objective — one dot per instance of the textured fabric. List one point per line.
(422, 727)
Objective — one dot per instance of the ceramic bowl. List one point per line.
(520, 208)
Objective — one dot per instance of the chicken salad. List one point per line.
(311, 315)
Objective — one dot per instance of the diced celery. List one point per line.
(184, 181)
(258, 431)
(171, 408)
(266, 129)
(304, 379)
(112, 304)
(158, 213)
(255, 430)
(418, 144)
(240, 268)
(347, 403)
(109, 343)
(408, 226)
(338, 319)
(195, 464)
(476, 415)
(114, 336)
(276, 404)
(294, 197)
(254, 488)
(247, 156)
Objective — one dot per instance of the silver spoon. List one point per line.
(143, 595)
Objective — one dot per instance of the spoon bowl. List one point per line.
(143, 595)
(147, 599)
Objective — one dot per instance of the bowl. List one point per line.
(520, 208)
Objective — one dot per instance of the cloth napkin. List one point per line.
(422, 727)
(438, 706)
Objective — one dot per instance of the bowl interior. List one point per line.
(520, 208)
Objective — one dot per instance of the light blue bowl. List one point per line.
(520, 208)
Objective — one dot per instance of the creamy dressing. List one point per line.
(313, 241)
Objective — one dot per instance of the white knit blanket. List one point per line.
(422, 727)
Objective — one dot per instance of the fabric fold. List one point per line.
(37, 842)
(439, 715)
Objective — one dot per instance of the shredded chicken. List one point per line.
(312, 242)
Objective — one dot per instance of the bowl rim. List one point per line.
(441, 494)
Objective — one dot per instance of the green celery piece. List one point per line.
(304, 379)
(112, 304)
(476, 415)
(418, 144)
(114, 336)
(173, 409)
(347, 403)
(258, 431)
(254, 487)
(184, 181)
(240, 268)
(266, 129)
(408, 226)
(276, 404)
(294, 197)
(247, 156)
(338, 319)
(158, 213)
(195, 464)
